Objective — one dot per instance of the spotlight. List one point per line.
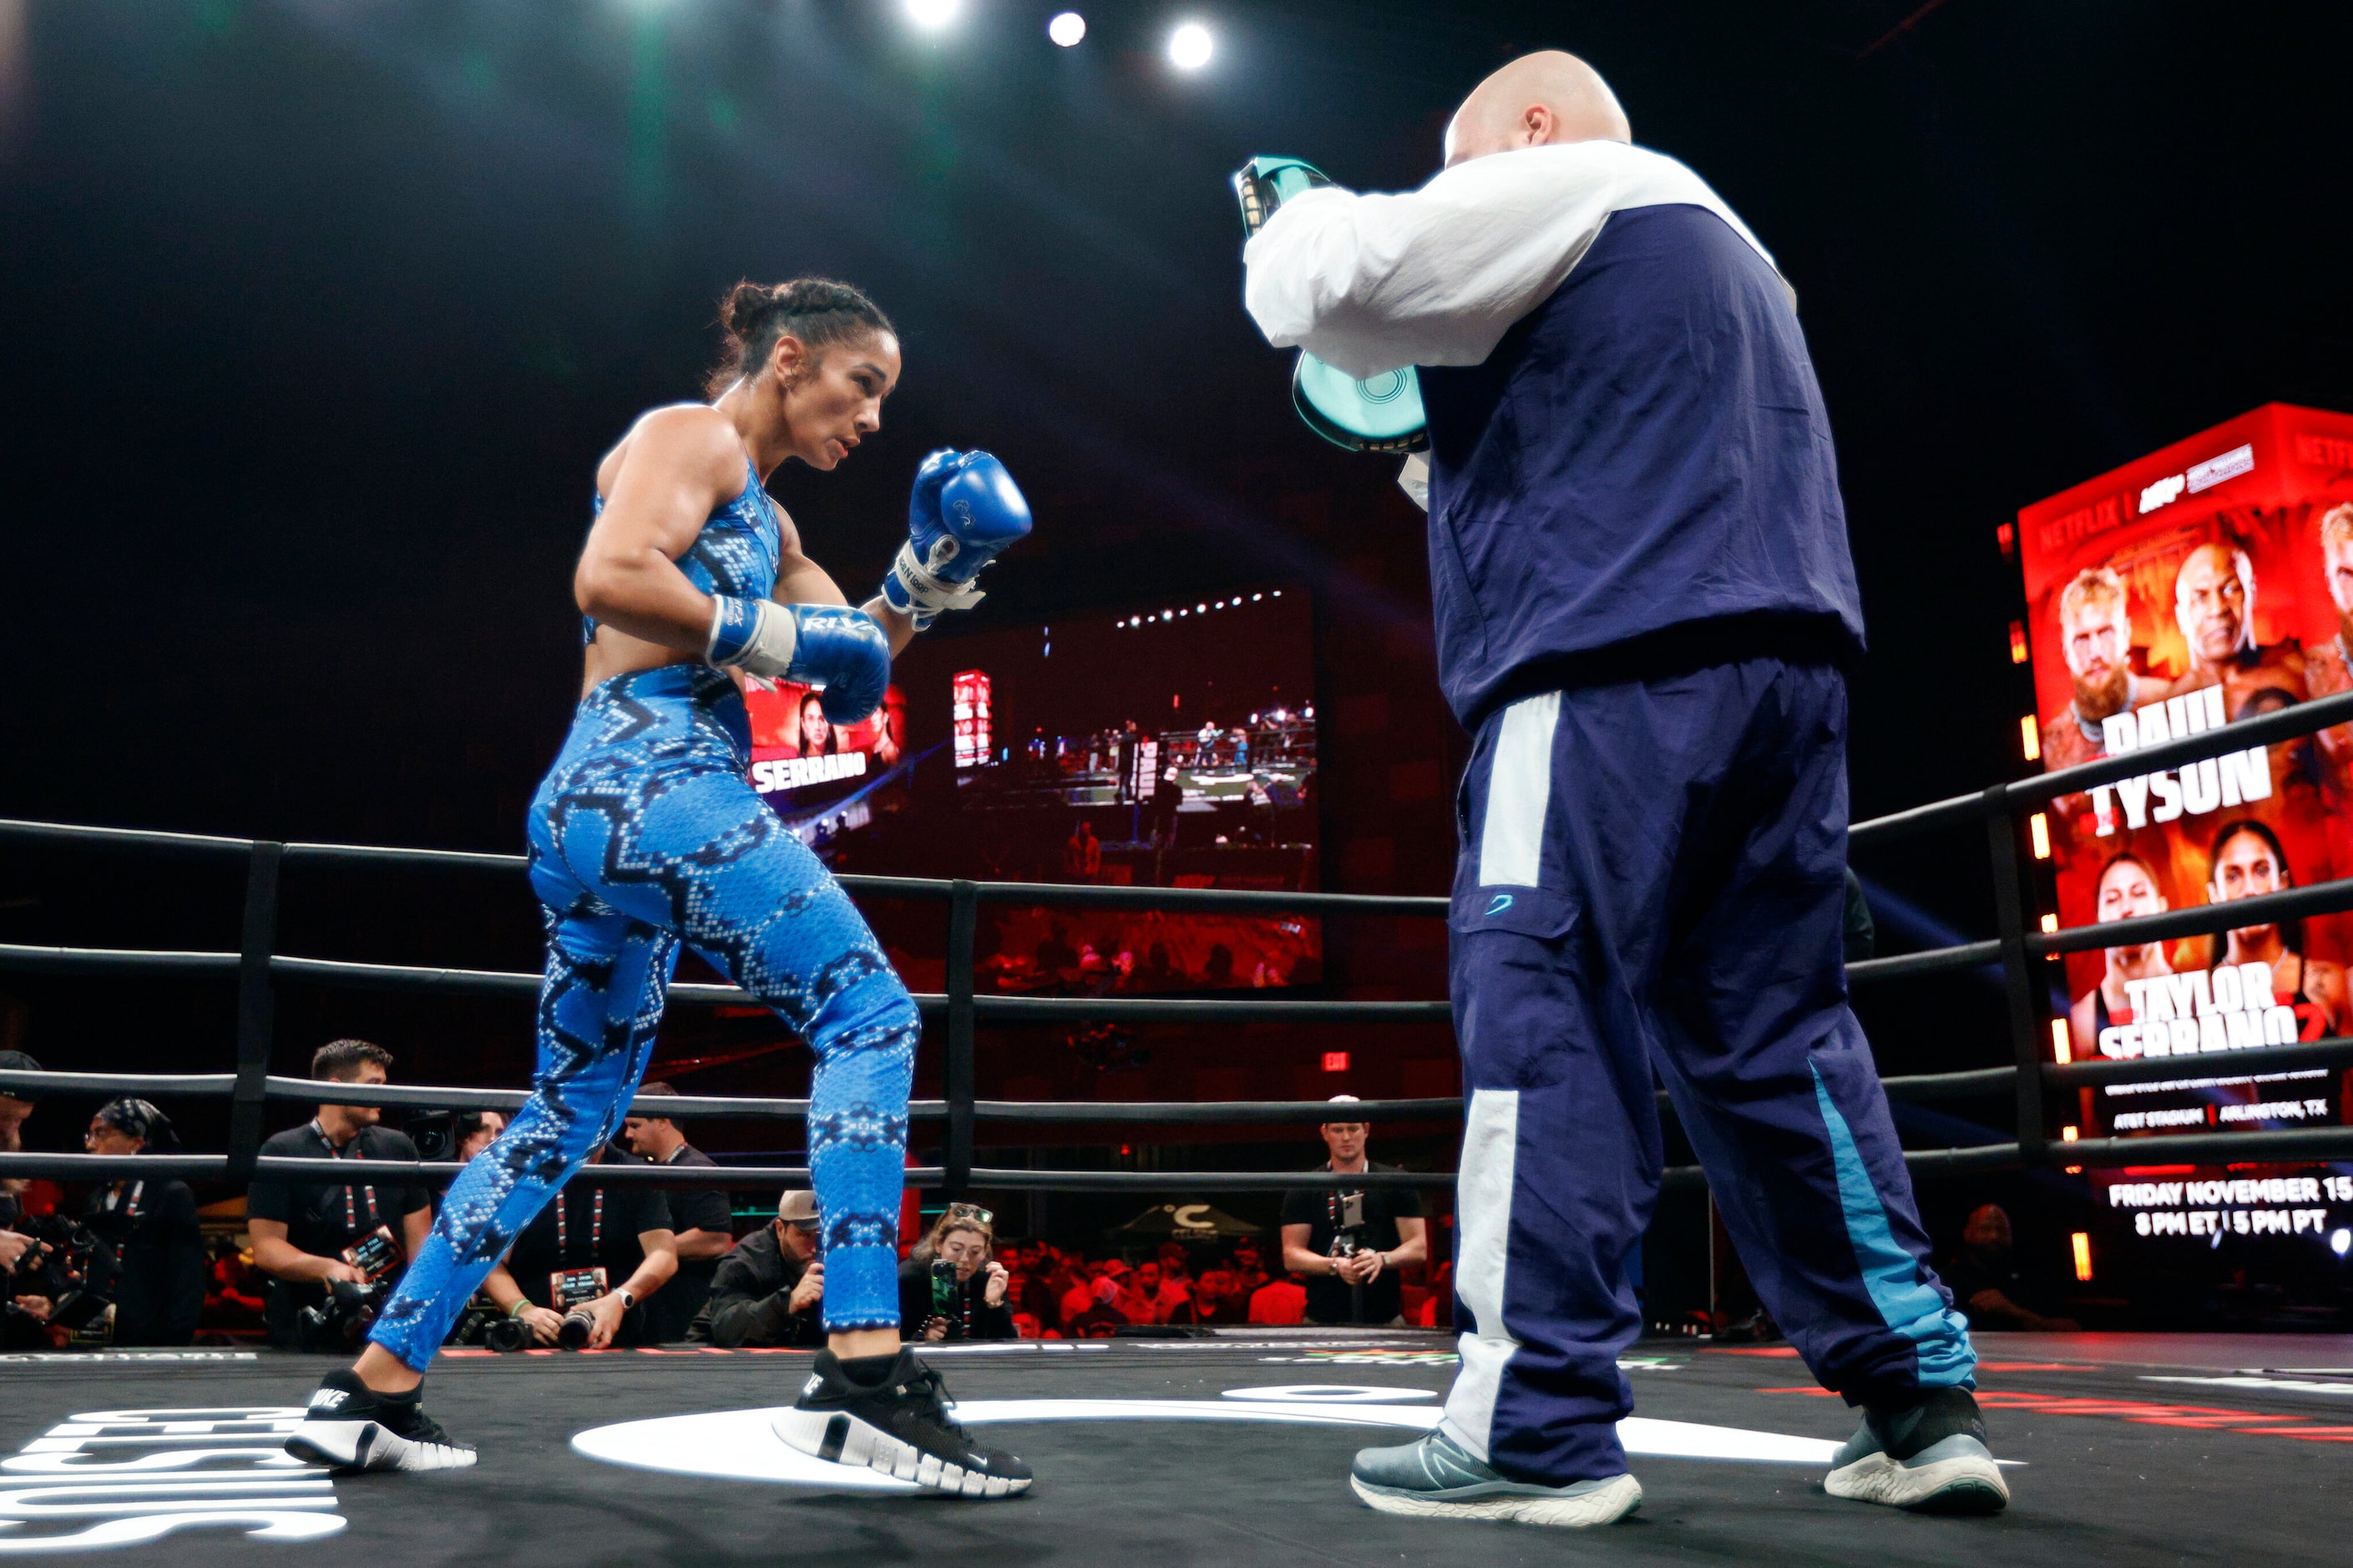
(1256, 597)
(2340, 1242)
(1201, 609)
(1067, 29)
(931, 16)
(1189, 46)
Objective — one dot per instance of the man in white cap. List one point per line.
(1350, 1246)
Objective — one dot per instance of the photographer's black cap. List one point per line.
(17, 1061)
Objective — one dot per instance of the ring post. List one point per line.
(255, 1009)
(2018, 978)
(964, 916)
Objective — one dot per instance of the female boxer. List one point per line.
(646, 834)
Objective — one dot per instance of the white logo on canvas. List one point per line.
(128, 1478)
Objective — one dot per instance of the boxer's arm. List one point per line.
(801, 581)
(1370, 284)
(681, 464)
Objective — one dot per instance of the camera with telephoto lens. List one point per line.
(340, 1322)
(572, 1289)
(484, 1324)
(70, 1267)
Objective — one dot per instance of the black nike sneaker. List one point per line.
(892, 1414)
(351, 1427)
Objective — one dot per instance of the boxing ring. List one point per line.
(2137, 1449)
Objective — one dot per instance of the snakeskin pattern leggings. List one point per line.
(645, 835)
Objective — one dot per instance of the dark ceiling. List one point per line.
(318, 313)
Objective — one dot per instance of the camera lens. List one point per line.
(578, 1326)
(506, 1334)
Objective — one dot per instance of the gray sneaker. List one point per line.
(1931, 1457)
(1439, 1478)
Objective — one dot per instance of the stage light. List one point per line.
(2340, 1242)
(2083, 1247)
(2029, 739)
(931, 16)
(1201, 609)
(2038, 828)
(1189, 46)
(1067, 29)
(2061, 1043)
(1256, 597)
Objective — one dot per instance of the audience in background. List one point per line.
(151, 1228)
(1985, 1280)
(16, 1105)
(606, 1252)
(949, 1286)
(701, 1218)
(477, 1131)
(767, 1291)
(306, 1233)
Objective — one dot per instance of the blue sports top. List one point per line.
(736, 553)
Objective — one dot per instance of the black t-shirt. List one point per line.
(322, 1219)
(1966, 1275)
(672, 1309)
(587, 1227)
(153, 1229)
(1320, 1210)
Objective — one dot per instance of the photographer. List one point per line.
(150, 1227)
(595, 1254)
(1350, 1245)
(948, 1287)
(16, 1105)
(703, 1218)
(477, 1131)
(309, 1235)
(767, 1291)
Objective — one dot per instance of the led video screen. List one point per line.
(1168, 747)
(2205, 584)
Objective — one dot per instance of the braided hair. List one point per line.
(819, 311)
(140, 1119)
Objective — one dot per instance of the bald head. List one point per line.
(1536, 99)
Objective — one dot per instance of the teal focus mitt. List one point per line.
(1380, 414)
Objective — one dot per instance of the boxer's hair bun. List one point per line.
(819, 311)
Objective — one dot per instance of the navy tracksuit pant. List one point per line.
(1653, 879)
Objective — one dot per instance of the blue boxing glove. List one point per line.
(838, 650)
(965, 510)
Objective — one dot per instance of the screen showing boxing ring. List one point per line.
(1169, 746)
(2207, 583)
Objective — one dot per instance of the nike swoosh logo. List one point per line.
(1502, 901)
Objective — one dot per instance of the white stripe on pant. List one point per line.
(1482, 1210)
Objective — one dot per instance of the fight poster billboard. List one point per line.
(2205, 584)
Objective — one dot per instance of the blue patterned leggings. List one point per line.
(644, 834)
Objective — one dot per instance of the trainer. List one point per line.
(1644, 609)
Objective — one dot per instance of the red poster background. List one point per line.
(2261, 484)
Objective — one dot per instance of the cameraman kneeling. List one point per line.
(596, 1251)
(948, 1287)
(310, 1235)
(769, 1291)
